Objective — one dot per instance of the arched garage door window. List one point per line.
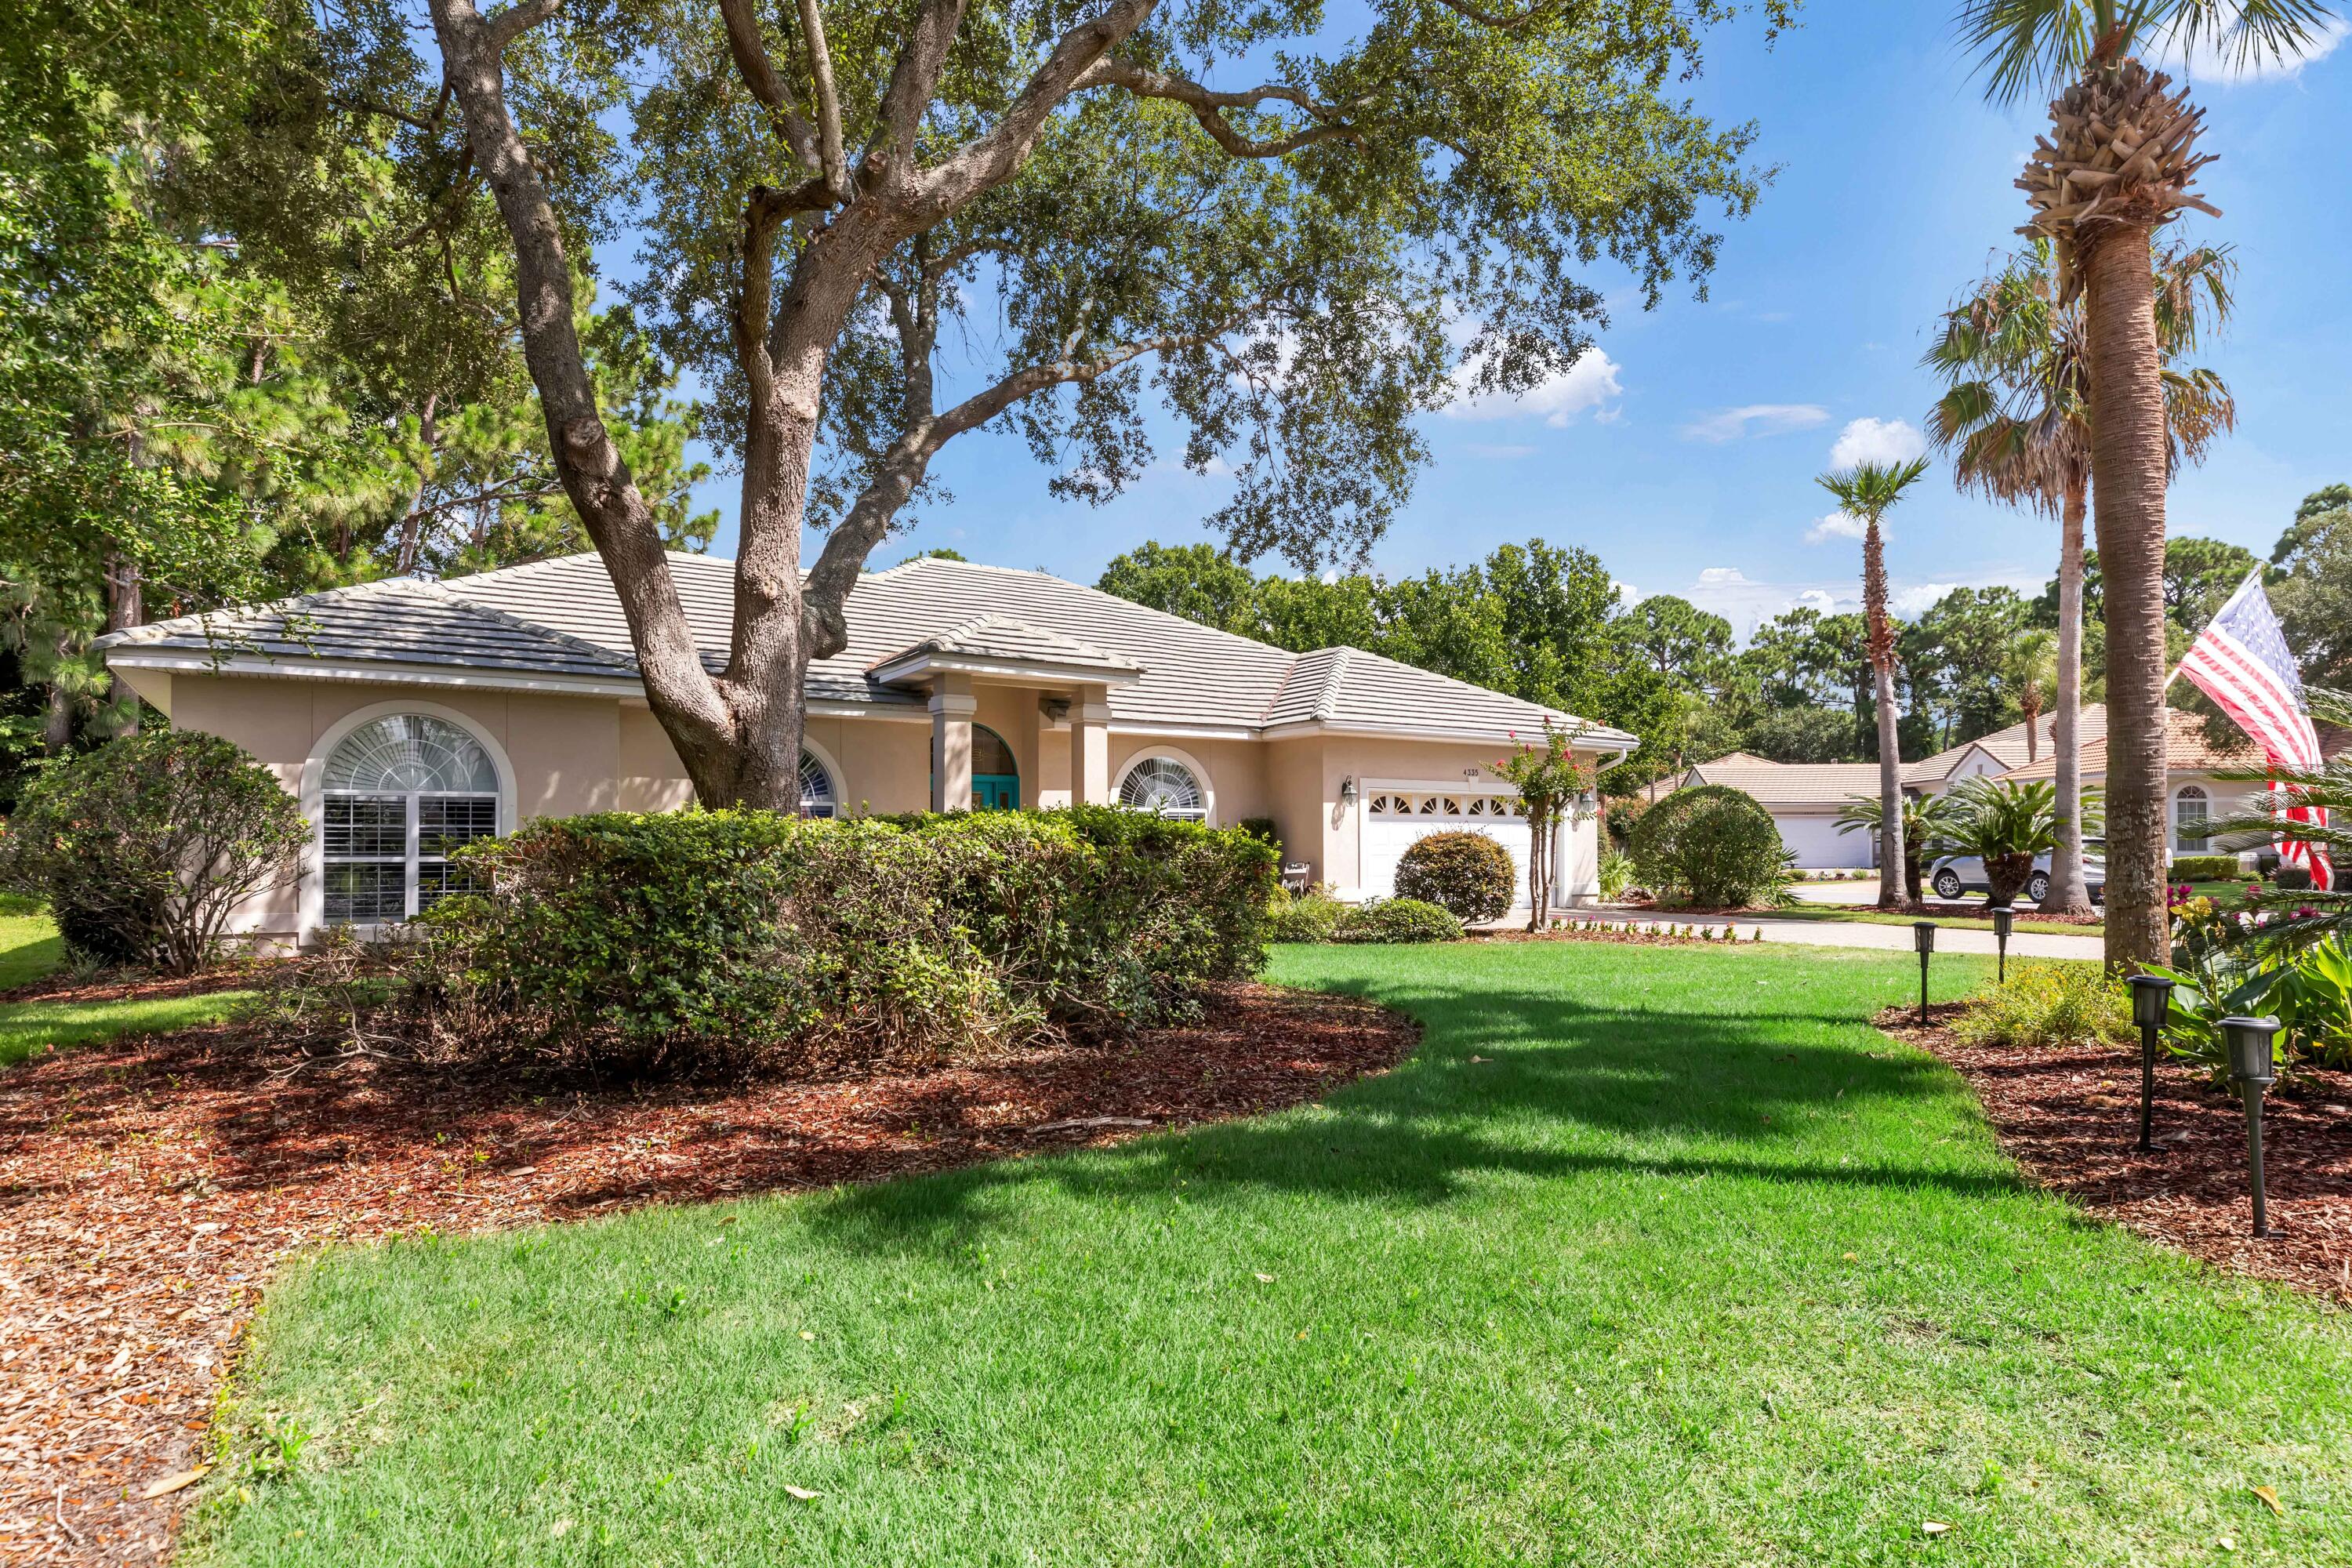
(399, 794)
(1164, 785)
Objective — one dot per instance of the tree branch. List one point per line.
(759, 73)
(991, 159)
(518, 19)
(912, 80)
(828, 103)
(1208, 107)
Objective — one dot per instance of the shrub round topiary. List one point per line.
(1467, 873)
(1713, 845)
(1398, 920)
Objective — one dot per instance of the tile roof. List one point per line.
(2187, 751)
(1790, 783)
(1008, 637)
(561, 616)
(2008, 746)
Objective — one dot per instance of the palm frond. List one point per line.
(2022, 46)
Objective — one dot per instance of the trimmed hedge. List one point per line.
(1467, 873)
(1713, 845)
(2207, 868)
(740, 937)
(1397, 919)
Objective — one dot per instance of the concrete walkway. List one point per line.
(1862, 933)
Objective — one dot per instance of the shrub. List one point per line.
(1263, 830)
(2291, 879)
(1397, 919)
(735, 939)
(1310, 917)
(1621, 815)
(1466, 873)
(2206, 867)
(1616, 873)
(2049, 1005)
(145, 847)
(1712, 845)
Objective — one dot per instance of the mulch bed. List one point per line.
(2071, 1118)
(148, 1188)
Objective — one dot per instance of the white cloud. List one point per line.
(1819, 599)
(1588, 386)
(1728, 591)
(1876, 441)
(1765, 418)
(1833, 525)
(1918, 598)
(2212, 61)
(1626, 592)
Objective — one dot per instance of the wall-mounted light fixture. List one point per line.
(1347, 791)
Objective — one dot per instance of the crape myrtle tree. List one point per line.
(2120, 161)
(1296, 257)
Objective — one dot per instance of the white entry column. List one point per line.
(953, 706)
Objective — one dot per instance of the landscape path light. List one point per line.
(2249, 1041)
(2151, 997)
(1923, 937)
(2003, 919)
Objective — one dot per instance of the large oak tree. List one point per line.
(872, 227)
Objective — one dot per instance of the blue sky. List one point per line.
(1685, 457)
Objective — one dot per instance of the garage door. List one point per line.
(1818, 845)
(1393, 821)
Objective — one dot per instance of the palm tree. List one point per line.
(2007, 824)
(2016, 418)
(2030, 669)
(1868, 491)
(2118, 163)
(1923, 819)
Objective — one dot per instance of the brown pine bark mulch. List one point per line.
(147, 1189)
(2071, 1118)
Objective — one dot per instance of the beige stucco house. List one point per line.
(408, 716)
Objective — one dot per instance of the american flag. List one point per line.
(2241, 661)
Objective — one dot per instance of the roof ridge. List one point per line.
(1327, 701)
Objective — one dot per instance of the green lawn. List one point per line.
(29, 948)
(1693, 1269)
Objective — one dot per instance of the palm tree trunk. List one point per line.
(2069, 894)
(1891, 858)
(1890, 743)
(2128, 469)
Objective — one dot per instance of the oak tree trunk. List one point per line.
(2128, 469)
(2069, 893)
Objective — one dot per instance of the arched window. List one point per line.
(398, 795)
(1164, 785)
(818, 797)
(2190, 809)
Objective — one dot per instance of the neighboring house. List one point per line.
(1804, 800)
(1995, 753)
(408, 716)
(2193, 795)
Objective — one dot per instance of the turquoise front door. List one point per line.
(995, 775)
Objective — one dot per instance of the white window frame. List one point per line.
(834, 777)
(313, 797)
(2203, 797)
(1182, 759)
